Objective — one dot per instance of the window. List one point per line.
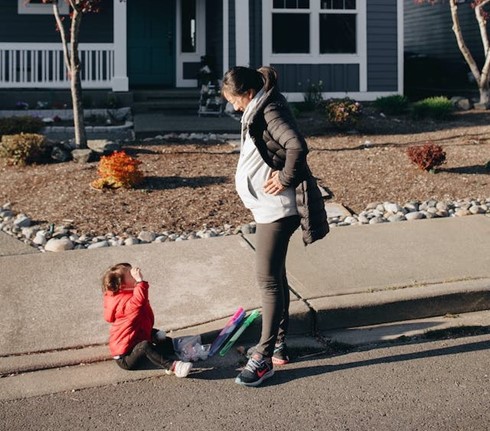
(37, 7)
(188, 26)
(291, 14)
(294, 30)
(338, 27)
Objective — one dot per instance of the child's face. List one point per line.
(128, 281)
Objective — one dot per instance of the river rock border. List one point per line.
(66, 133)
(64, 237)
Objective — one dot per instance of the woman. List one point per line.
(274, 181)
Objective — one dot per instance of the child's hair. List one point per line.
(113, 277)
(238, 80)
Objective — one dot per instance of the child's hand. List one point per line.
(137, 275)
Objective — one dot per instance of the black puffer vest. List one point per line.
(275, 134)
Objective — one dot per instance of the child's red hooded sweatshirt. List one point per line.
(131, 316)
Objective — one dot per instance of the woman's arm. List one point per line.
(283, 130)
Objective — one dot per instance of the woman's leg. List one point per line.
(271, 249)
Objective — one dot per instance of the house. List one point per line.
(431, 48)
(353, 47)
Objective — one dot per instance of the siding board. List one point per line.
(382, 45)
(95, 28)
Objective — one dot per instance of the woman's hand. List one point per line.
(273, 186)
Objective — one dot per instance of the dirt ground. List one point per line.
(190, 185)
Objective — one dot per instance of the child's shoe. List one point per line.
(180, 368)
(256, 371)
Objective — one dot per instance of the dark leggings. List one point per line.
(157, 353)
(272, 240)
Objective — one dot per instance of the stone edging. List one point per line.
(61, 238)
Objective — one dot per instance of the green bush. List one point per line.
(15, 125)
(343, 113)
(437, 108)
(23, 149)
(392, 105)
(313, 96)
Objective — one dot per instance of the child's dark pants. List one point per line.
(157, 353)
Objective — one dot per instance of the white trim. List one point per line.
(356, 95)
(314, 57)
(120, 80)
(401, 47)
(192, 57)
(242, 32)
(226, 39)
(26, 8)
(362, 44)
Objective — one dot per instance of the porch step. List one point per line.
(166, 100)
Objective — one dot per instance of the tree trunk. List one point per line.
(76, 83)
(484, 95)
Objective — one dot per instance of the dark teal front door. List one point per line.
(151, 43)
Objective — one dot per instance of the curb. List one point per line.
(307, 318)
(371, 308)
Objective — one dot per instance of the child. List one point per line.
(132, 336)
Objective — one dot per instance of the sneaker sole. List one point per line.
(277, 361)
(257, 382)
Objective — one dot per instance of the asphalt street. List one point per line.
(430, 385)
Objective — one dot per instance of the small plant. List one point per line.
(21, 105)
(15, 125)
(343, 113)
(23, 149)
(118, 170)
(313, 96)
(392, 105)
(427, 157)
(437, 108)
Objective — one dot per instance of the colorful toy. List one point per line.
(230, 326)
(253, 315)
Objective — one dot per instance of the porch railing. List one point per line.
(41, 65)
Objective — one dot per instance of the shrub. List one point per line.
(343, 113)
(438, 108)
(427, 157)
(118, 170)
(15, 125)
(23, 149)
(313, 96)
(392, 105)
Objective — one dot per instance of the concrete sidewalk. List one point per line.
(359, 275)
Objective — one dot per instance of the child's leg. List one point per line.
(142, 349)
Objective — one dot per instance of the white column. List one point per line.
(120, 81)
(242, 33)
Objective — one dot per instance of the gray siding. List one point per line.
(231, 34)
(42, 28)
(428, 31)
(214, 35)
(382, 48)
(255, 33)
(334, 77)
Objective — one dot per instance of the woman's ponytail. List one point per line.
(269, 75)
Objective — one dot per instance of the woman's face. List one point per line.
(239, 102)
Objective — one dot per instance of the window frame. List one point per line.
(24, 7)
(314, 56)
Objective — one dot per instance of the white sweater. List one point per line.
(252, 173)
